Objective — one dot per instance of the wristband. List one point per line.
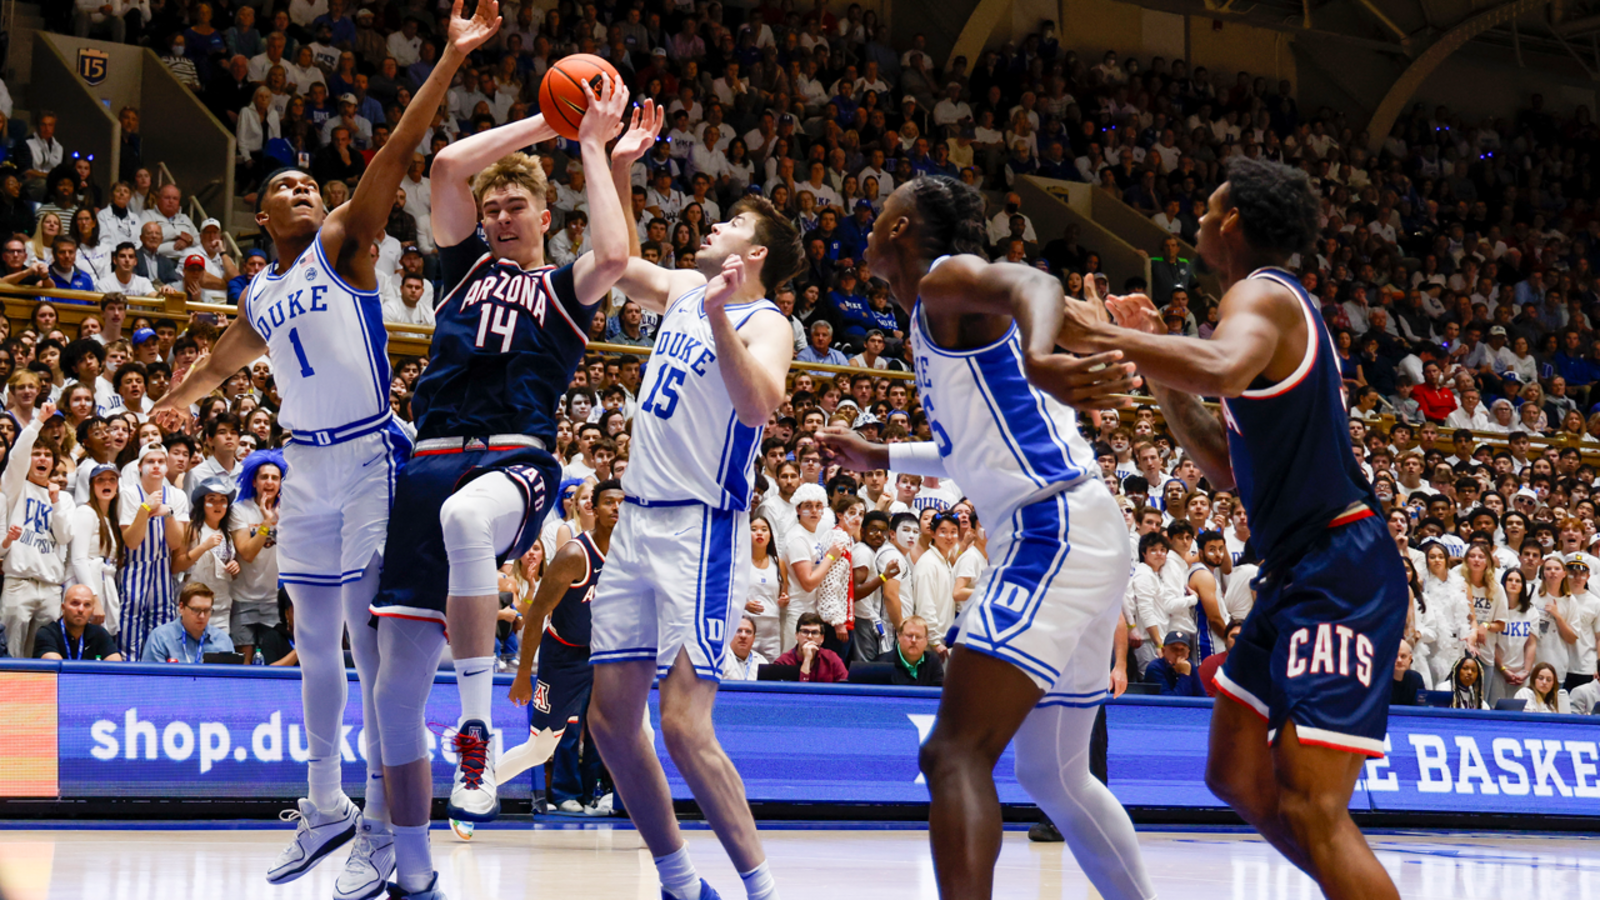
(828, 558)
(262, 531)
(146, 508)
(883, 578)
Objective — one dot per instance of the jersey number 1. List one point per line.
(300, 354)
(497, 320)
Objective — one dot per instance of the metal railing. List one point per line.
(82, 304)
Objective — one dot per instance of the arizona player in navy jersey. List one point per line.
(1304, 695)
(1030, 658)
(565, 678)
(509, 334)
(318, 312)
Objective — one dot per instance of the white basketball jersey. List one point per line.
(1001, 438)
(329, 349)
(688, 444)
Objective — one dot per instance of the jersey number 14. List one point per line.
(496, 320)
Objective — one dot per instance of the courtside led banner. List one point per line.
(161, 732)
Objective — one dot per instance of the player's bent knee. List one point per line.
(465, 528)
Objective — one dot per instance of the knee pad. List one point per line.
(477, 522)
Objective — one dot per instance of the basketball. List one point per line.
(561, 96)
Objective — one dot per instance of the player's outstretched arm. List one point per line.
(754, 360)
(569, 565)
(855, 452)
(455, 212)
(970, 285)
(238, 346)
(595, 272)
(651, 286)
(351, 228)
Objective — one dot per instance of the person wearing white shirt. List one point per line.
(1000, 225)
(258, 123)
(951, 110)
(710, 161)
(570, 242)
(744, 661)
(360, 129)
(730, 88)
(500, 99)
(303, 72)
(122, 279)
(409, 308)
(572, 197)
(178, 234)
(118, 223)
(818, 186)
(405, 45)
(419, 203)
(876, 170)
(388, 259)
(304, 12)
(933, 580)
(1470, 414)
(263, 62)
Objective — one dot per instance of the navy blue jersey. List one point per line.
(505, 344)
(569, 624)
(1290, 447)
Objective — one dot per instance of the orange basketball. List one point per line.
(561, 96)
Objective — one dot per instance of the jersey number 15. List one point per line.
(663, 398)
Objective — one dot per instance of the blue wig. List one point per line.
(253, 462)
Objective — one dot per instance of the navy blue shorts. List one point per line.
(416, 568)
(1319, 646)
(561, 692)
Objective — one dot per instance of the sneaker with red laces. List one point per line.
(474, 796)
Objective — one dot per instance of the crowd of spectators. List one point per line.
(1455, 270)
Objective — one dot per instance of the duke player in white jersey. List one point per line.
(676, 574)
(1035, 641)
(317, 312)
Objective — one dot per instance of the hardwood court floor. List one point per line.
(607, 862)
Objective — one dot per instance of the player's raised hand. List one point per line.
(1090, 382)
(641, 134)
(726, 284)
(465, 34)
(852, 450)
(603, 119)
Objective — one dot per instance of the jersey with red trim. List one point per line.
(1289, 444)
(505, 343)
(569, 621)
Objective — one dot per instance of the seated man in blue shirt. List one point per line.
(820, 350)
(65, 272)
(1172, 671)
(254, 261)
(188, 638)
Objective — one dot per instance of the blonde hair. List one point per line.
(512, 170)
(24, 376)
(37, 242)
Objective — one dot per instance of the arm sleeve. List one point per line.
(917, 458)
(16, 471)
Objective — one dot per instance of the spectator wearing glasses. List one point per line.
(1172, 672)
(817, 663)
(188, 638)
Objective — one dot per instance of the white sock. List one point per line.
(323, 777)
(376, 809)
(475, 679)
(678, 876)
(412, 859)
(759, 884)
